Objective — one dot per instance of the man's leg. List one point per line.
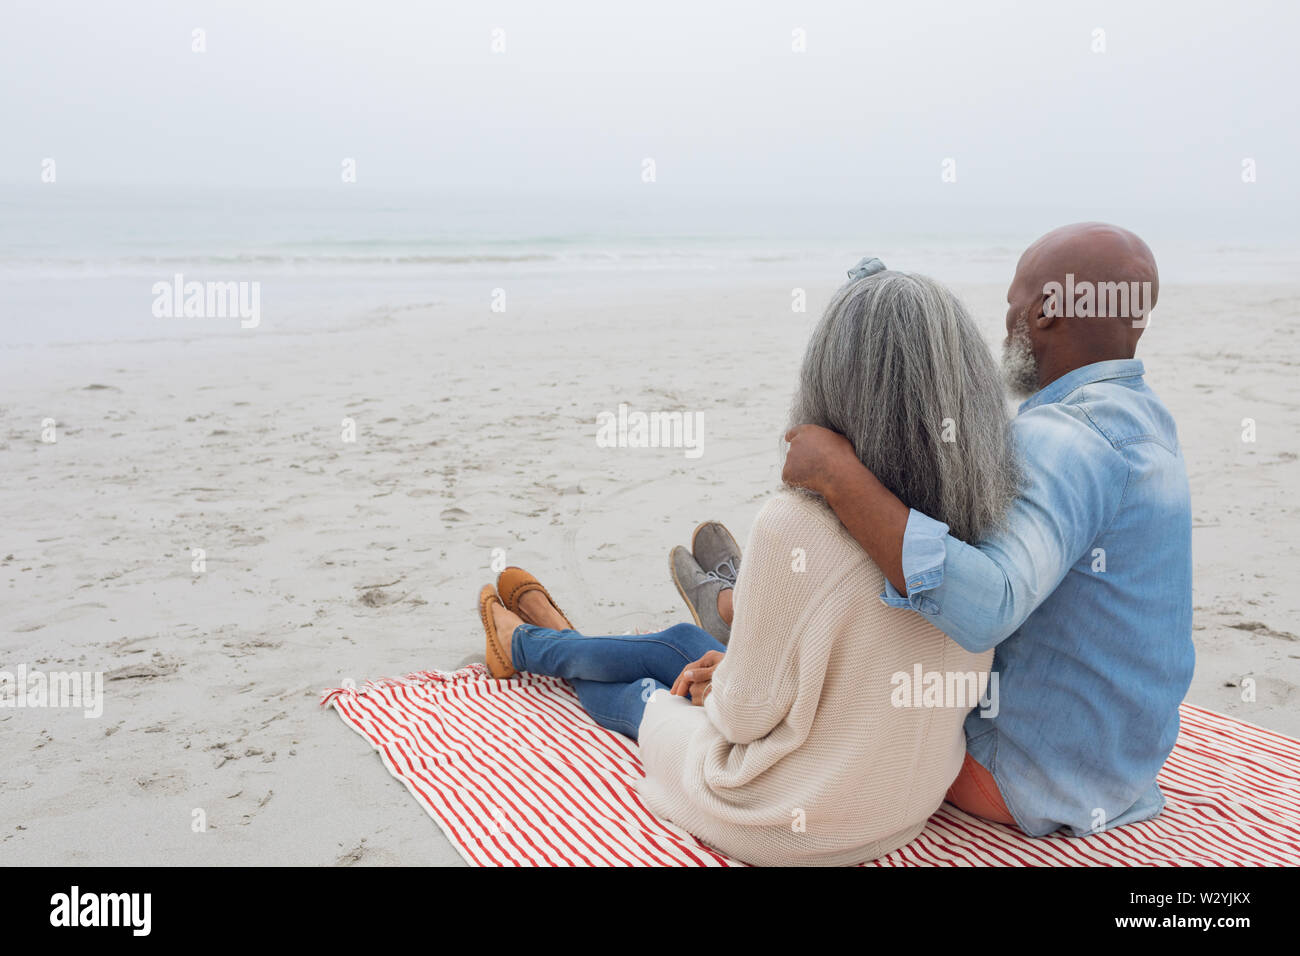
(725, 610)
(717, 553)
(976, 792)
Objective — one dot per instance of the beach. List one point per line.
(230, 520)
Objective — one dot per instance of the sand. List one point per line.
(328, 560)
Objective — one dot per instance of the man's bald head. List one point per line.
(1081, 294)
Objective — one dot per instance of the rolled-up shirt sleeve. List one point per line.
(979, 594)
(924, 554)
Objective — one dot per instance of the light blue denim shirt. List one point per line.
(1087, 596)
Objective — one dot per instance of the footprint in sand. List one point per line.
(377, 597)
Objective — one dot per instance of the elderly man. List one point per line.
(1086, 592)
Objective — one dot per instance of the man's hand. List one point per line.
(815, 458)
(696, 677)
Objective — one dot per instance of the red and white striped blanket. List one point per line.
(516, 774)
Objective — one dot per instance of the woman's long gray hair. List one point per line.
(897, 366)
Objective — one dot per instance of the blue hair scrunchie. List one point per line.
(867, 266)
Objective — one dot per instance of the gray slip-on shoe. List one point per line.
(716, 550)
(699, 589)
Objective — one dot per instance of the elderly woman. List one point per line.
(812, 745)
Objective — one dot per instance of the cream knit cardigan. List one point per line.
(799, 755)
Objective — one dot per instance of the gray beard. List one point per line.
(1019, 367)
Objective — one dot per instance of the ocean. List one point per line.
(84, 264)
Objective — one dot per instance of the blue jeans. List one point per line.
(615, 675)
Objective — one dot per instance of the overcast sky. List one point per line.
(713, 92)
